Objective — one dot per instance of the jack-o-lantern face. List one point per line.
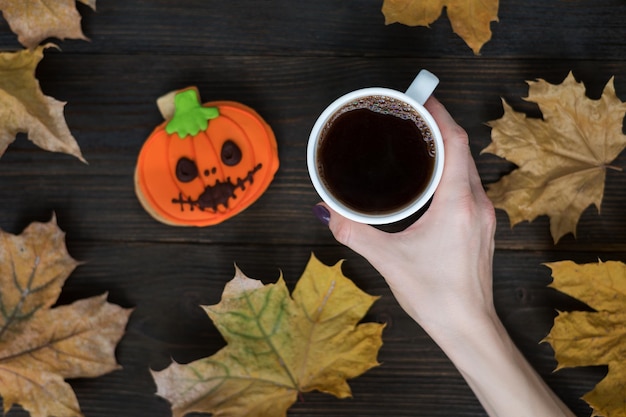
(208, 163)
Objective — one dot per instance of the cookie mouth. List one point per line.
(217, 194)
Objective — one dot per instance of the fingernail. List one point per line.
(322, 214)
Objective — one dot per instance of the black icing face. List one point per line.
(221, 192)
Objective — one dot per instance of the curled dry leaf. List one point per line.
(470, 20)
(36, 20)
(562, 159)
(591, 338)
(41, 346)
(278, 346)
(24, 108)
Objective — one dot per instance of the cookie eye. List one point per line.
(231, 154)
(186, 170)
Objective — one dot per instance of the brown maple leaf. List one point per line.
(470, 20)
(41, 346)
(24, 108)
(278, 346)
(591, 338)
(562, 159)
(36, 20)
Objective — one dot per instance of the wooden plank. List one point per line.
(167, 282)
(527, 29)
(111, 113)
(288, 60)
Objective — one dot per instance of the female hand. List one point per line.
(439, 268)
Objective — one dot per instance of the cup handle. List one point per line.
(422, 86)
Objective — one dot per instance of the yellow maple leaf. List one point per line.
(24, 108)
(562, 159)
(41, 346)
(36, 20)
(581, 338)
(277, 346)
(470, 19)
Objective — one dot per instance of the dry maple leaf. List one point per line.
(562, 158)
(278, 346)
(581, 338)
(24, 108)
(470, 19)
(41, 346)
(36, 20)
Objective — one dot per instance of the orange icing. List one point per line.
(218, 190)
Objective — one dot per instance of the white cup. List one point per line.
(415, 96)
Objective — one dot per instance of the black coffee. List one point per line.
(376, 155)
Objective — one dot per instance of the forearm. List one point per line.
(501, 378)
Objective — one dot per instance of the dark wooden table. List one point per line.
(288, 59)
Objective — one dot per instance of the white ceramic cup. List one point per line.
(415, 96)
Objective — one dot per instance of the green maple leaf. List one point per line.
(278, 346)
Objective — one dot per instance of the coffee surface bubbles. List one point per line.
(376, 154)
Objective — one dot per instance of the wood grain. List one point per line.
(288, 60)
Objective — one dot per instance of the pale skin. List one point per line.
(440, 271)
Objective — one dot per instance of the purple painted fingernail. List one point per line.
(322, 214)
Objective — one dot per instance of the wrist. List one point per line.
(502, 379)
(477, 332)
(461, 323)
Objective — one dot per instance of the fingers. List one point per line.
(460, 172)
(450, 130)
(364, 239)
(459, 166)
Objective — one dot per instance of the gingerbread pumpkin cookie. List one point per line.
(205, 163)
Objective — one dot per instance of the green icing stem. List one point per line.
(190, 117)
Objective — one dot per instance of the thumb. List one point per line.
(357, 236)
